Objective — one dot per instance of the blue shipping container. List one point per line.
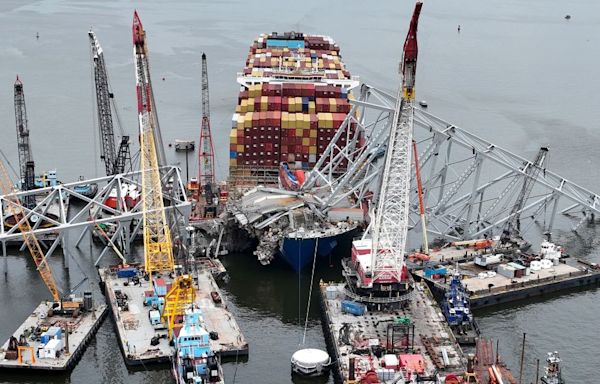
(357, 309)
(435, 271)
(44, 338)
(127, 272)
(232, 154)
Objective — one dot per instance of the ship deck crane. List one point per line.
(158, 246)
(389, 228)
(115, 160)
(26, 164)
(206, 157)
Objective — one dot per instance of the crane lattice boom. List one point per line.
(26, 164)
(531, 171)
(15, 209)
(115, 160)
(206, 158)
(158, 246)
(181, 295)
(391, 221)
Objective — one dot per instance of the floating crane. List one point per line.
(390, 225)
(115, 160)
(26, 164)
(158, 246)
(206, 157)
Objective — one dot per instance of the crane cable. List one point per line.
(312, 275)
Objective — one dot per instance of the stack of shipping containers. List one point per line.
(294, 97)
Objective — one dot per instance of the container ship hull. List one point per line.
(299, 252)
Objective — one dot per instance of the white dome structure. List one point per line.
(310, 362)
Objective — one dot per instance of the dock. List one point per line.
(498, 289)
(136, 335)
(33, 355)
(416, 333)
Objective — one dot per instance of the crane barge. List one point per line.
(149, 300)
(381, 326)
(54, 336)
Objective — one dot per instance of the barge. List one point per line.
(46, 341)
(143, 336)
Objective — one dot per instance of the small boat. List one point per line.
(194, 362)
(87, 189)
(552, 373)
(423, 103)
(130, 196)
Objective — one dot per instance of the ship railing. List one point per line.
(378, 300)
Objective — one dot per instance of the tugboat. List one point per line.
(552, 374)
(457, 310)
(194, 362)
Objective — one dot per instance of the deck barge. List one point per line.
(498, 289)
(429, 347)
(69, 349)
(137, 335)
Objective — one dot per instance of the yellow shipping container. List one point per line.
(311, 107)
(233, 136)
(240, 122)
(332, 105)
(250, 107)
(285, 123)
(312, 150)
(240, 148)
(305, 141)
(292, 104)
(248, 120)
(233, 162)
(244, 106)
(292, 120)
(298, 132)
(238, 108)
(313, 133)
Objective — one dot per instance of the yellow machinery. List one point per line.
(15, 208)
(158, 245)
(181, 295)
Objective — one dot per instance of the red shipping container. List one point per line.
(313, 141)
(305, 149)
(269, 146)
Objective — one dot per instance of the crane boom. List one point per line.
(158, 246)
(512, 227)
(391, 221)
(142, 73)
(16, 210)
(114, 160)
(26, 164)
(206, 160)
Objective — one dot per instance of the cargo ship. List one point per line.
(294, 95)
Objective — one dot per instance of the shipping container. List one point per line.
(354, 308)
(294, 96)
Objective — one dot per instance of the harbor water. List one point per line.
(517, 73)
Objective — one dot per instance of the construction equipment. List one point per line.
(144, 86)
(26, 164)
(158, 247)
(512, 227)
(206, 157)
(15, 208)
(389, 228)
(115, 161)
(181, 295)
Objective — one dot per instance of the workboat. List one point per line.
(130, 196)
(552, 373)
(194, 362)
(456, 308)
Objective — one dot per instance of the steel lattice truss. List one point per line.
(470, 185)
(59, 207)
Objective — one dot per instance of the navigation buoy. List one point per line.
(310, 362)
